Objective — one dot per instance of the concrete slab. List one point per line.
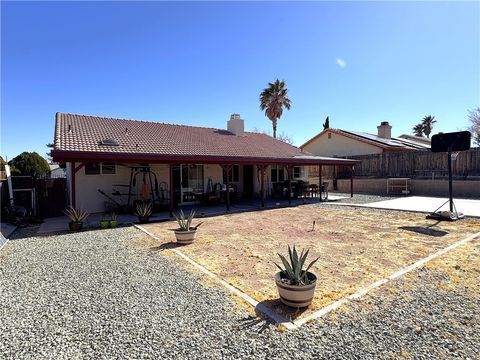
(7, 229)
(469, 207)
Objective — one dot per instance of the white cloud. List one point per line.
(341, 62)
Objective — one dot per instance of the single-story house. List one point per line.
(123, 161)
(343, 143)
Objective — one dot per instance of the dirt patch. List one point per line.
(357, 246)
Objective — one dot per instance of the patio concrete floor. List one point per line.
(60, 223)
(469, 207)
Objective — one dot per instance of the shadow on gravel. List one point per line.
(257, 323)
(166, 246)
(425, 230)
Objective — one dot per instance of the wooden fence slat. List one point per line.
(415, 164)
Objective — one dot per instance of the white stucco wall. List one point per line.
(339, 145)
(89, 199)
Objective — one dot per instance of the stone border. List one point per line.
(292, 325)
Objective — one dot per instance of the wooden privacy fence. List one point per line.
(416, 164)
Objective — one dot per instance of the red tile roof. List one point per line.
(83, 134)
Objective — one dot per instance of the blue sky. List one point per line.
(196, 63)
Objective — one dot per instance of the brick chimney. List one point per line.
(235, 125)
(384, 130)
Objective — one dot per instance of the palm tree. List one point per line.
(427, 123)
(418, 130)
(273, 99)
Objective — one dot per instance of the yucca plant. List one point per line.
(143, 209)
(293, 271)
(76, 215)
(185, 222)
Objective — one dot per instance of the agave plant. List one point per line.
(144, 209)
(293, 271)
(76, 215)
(185, 222)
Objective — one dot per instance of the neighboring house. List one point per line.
(343, 143)
(57, 172)
(132, 160)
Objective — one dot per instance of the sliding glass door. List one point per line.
(188, 183)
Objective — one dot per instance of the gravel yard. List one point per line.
(97, 294)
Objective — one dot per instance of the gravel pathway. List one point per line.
(96, 295)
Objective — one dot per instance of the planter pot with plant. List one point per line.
(144, 210)
(104, 223)
(186, 233)
(77, 217)
(113, 220)
(296, 287)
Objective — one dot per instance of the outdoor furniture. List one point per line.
(313, 190)
(324, 193)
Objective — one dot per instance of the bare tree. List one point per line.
(474, 119)
(283, 136)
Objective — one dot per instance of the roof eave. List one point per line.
(79, 156)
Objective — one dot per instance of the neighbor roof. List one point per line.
(393, 144)
(85, 137)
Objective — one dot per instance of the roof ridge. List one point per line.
(144, 121)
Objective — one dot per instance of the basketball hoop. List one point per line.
(455, 155)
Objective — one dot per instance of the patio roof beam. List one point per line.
(60, 156)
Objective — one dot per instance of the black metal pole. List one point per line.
(450, 178)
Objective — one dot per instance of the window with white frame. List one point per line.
(234, 174)
(298, 172)
(100, 169)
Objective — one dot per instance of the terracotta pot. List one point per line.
(75, 225)
(185, 237)
(296, 296)
(104, 224)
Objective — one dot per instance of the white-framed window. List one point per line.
(100, 169)
(234, 174)
(298, 172)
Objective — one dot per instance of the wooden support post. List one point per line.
(320, 183)
(73, 171)
(352, 169)
(72, 185)
(289, 170)
(228, 167)
(170, 174)
(262, 184)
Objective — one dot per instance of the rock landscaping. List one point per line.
(117, 293)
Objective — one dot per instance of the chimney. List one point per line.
(384, 130)
(235, 125)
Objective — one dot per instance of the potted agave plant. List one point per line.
(144, 210)
(77, 217)
(295, 285)
(186, 233)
